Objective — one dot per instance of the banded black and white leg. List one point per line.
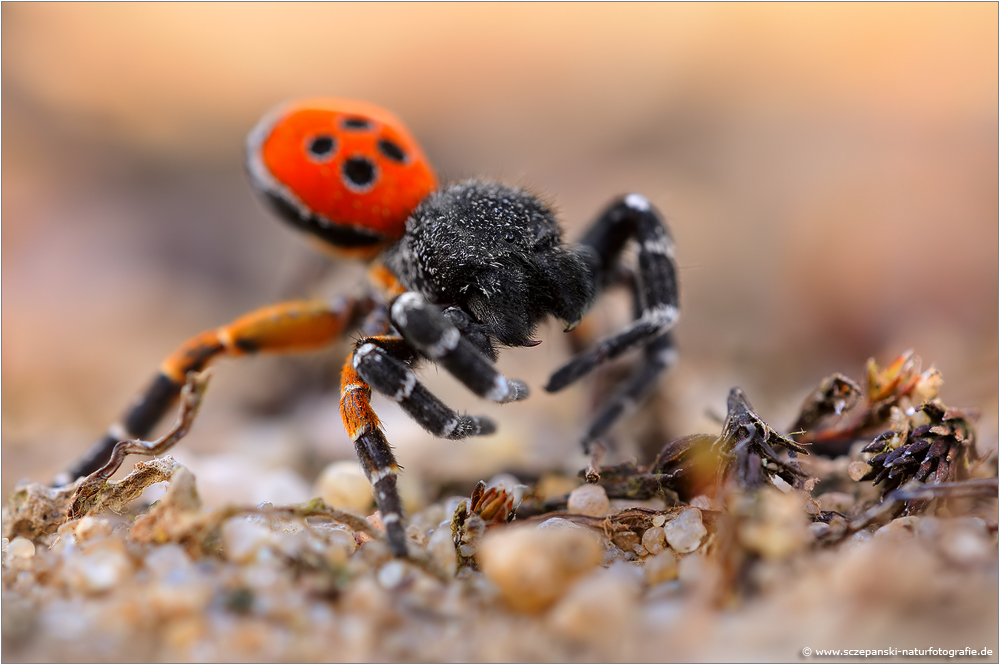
(384, 363)
(630, 218)
(468, 357)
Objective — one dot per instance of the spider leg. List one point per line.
(435, 335)
(284, 327)
(658, 356)
(630, 217)
(380, 362)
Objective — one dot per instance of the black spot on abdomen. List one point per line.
(359, 174)
(391, 150)
(321, 147)
(355, 123)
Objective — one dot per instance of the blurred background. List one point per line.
(829, 172)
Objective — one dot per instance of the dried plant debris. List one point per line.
(748, 447)
(834, 395)
(935, 445)
(727, 547)
(493, 505)
(744, 456)
(833, 417)
(95, 488)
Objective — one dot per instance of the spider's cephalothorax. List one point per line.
(460, 270)
(496, 252)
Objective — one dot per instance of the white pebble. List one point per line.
(685, 532)
(654, 540)
(560, 523)
(589, 500)
(441, 547)
(99, 570)
(91, 528)
(392, 574)
(344, 485)
(242, 538)
(168, 559)
(703, 502)
(341, 544)
(20, 548)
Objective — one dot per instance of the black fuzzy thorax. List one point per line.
(496, 252)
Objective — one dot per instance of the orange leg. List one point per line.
(374, 453)
(281, 328)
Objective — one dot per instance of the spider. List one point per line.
(457, 271)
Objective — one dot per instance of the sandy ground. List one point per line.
(829, 173)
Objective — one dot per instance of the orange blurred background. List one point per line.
(829, 171)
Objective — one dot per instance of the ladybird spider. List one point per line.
(457, 271)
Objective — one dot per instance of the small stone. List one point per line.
(838, 501)
(654, 540)
(20, 548)
(392, 574)
(560, 523)
(857, 469)
(862, 536)
(178, 594)
(626, 541)
(533, 567)
(99, 569)
(819, 530)
(91, 528)
(166, 560)
(589, 500)
(660, 568)
(242, 538)
(901, 527)
(703, 502)
(337, 542)
(441, 547)
(344, 485)
(686, 531)
(658, 520)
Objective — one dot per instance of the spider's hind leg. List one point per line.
(656, 300)
(280, 328)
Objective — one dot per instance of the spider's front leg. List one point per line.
(382, 363)
(631, 217)
(435, 334)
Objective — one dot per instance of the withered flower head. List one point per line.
(935, 444)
